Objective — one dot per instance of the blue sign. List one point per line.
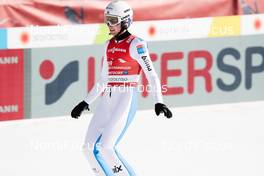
(3, 38)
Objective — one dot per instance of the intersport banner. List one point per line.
(56, 12)
(192, 72)
(11, 84)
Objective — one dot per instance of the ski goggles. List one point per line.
(112, 20)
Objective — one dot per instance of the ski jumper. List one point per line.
(122, 65)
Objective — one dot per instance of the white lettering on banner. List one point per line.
(50, 37)
(9, 60)
(8, 108)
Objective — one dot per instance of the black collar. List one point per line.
(122, 36)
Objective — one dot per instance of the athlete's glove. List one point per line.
(162, 108)
(77, 110)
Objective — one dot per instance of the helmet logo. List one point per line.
(127, 10)
(124, 17)
(109, 8)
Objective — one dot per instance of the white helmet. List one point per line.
(118, 12)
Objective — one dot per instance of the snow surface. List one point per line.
(215, 140)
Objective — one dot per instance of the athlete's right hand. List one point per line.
(162, 108)
(77, 110)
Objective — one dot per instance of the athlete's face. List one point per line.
(114, 29)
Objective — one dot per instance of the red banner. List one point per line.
(11, 84)
(55, 12)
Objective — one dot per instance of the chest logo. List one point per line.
(122, 60)
(114, 49)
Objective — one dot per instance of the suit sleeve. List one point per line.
(139, 51)
(101, 84)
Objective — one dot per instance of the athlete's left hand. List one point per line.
(162, 108)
